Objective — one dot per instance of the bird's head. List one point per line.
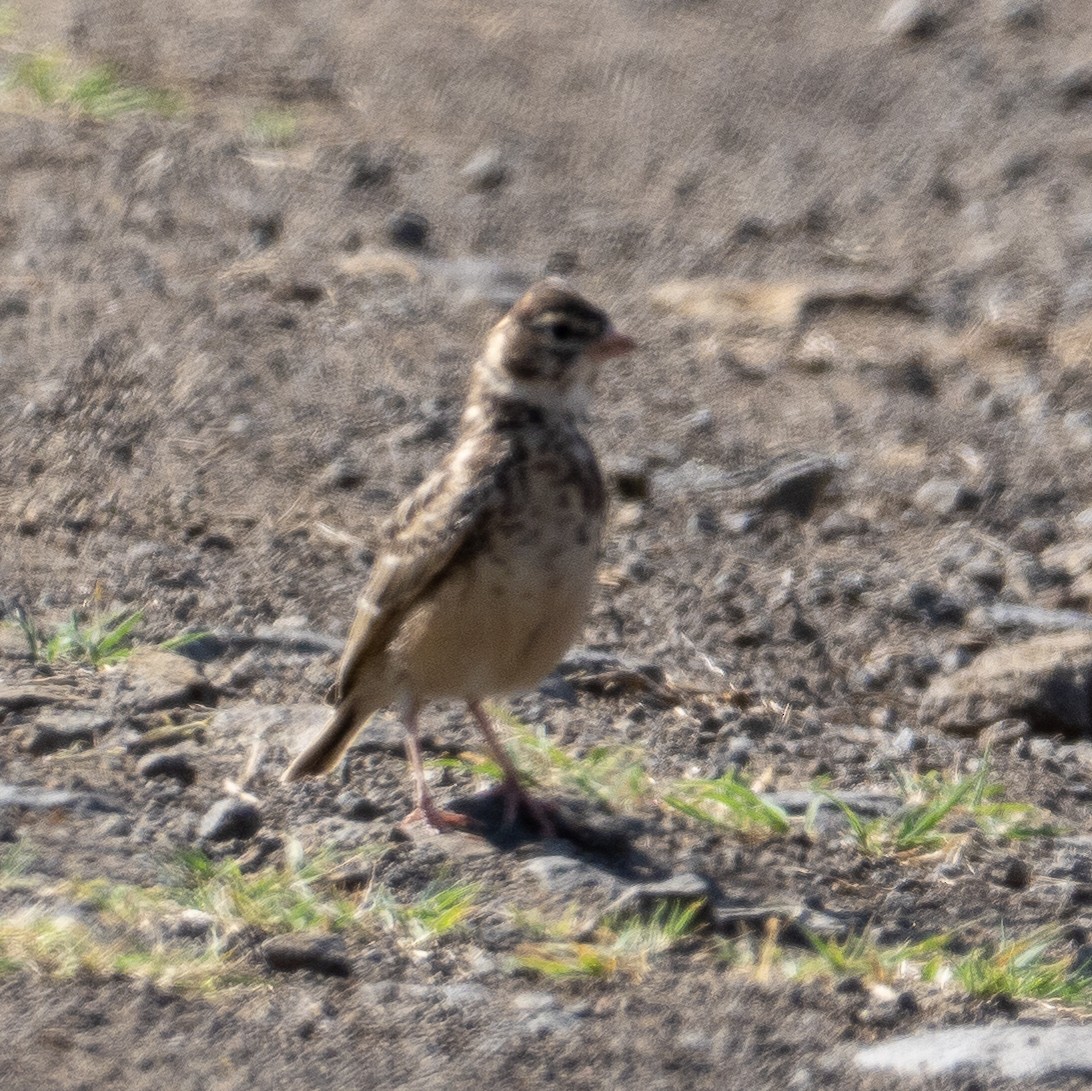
(547, 348)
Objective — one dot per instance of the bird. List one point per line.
(486, 570)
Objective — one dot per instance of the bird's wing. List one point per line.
(421, 540)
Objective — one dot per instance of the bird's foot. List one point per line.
(437, 818)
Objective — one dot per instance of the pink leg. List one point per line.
(425, 810)
(511, 787)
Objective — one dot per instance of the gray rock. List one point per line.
(229, 819)
(912, 20)
(298, 638)
(565, 875)
(409, 230)
(487, 170)
(1046, 680)
(353, 805)
(319, 954)
(16, 696)
(945, 496)
(1010, 615)
(642, 897)
(47, 736)
(1075, 86)
(1015, 1051)
(190, 924)
(799, 922)
(1021, 15)
(152, 679)
(175, 766)
(49, 799)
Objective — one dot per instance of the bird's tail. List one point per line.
(323, 753)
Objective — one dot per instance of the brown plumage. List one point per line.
(488, 566)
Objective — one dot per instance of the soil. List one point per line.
(858, 258)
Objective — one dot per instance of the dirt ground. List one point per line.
(857, 254)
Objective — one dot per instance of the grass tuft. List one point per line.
(272, 128)
(99, 639)
(54, 80)
(612, 775)
(620, 948)
(727, 801)
(923, 824)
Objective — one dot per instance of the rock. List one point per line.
(799, 922)
(47, 736)
(190, 924)
(686, 888)
(566, 875)
(1046, 680)
(368, 169)
(228, 820)
(1073, 558)
(16, 696)
(487, 170)
(1012, 872)
(795, 486)
(297, 638)
(409, 230)
(1003, 616)
(1029, 1052)
(174, 766)
(353, 805)
(342, 473)
(945, 496)
(319, 954)
(47, 799)
(927, 602)
(1075, 87)
(1021, 15)
(630, 478)
(913, 20)
(151, 679)
(1078, 423)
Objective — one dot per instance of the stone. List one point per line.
(1021, 15)
(913, 20)
(47, 736)
(230, 819)
(1046, 680)
(1010, 615)
(174, 766)
(320, 954)
(49, 799)
(566, 875)
(1075, 87)
(1029, 1052)
(409, 230)
(151, 679)
(945, 496)
(686, 888)
(487, 170)
(17, 696)
(352, 804)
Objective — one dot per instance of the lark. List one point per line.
(487, 569)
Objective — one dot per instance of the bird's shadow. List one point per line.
(578, 823)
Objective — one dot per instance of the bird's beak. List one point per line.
(611, 344)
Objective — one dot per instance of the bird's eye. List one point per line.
(561, 331)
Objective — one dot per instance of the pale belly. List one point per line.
(496, 628)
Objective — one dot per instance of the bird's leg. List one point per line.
(511, 787)
(425, 809)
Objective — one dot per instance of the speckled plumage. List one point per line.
(487, 568)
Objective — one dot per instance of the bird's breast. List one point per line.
(516, 597)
